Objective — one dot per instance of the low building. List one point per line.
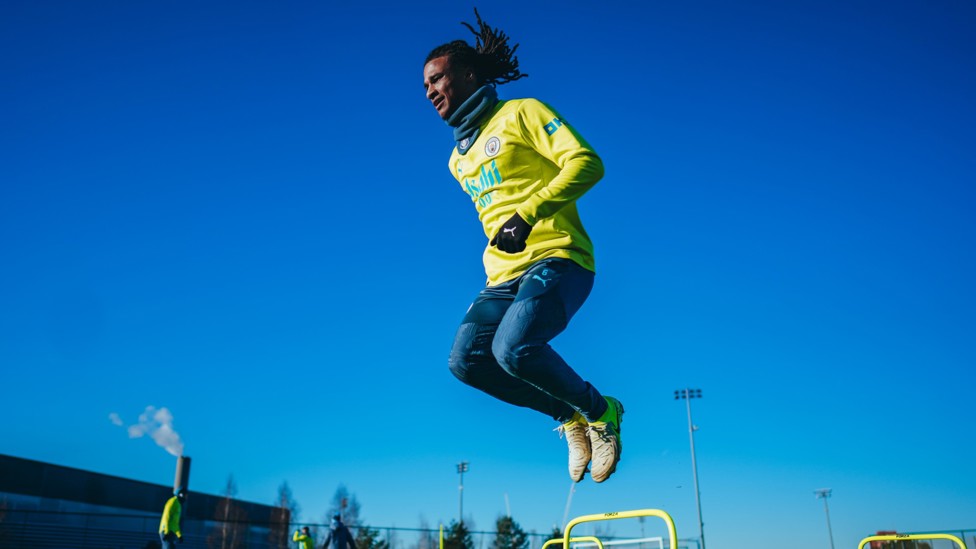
(43, 505)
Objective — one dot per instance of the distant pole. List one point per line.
(461, 469)
(569, 501)
(687, 395)
(825, 493)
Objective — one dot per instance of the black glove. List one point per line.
(180, 538)
(511, 238)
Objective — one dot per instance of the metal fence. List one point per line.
(37, 529)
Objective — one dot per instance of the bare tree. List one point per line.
(346, 505)
(602, 530)
(281, 516)
(426, 540)
(231, 521)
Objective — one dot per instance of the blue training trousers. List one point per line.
(502, 346)
(168, 540)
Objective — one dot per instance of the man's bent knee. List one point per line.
(463, 352)
(515, 359)
(459, 365)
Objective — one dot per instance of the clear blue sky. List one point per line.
(241, 211)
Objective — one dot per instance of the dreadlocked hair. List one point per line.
(492, 59)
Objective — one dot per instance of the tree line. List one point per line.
(230, 526)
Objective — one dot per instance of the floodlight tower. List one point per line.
(825, 493)
(687, 395)
(461, 469)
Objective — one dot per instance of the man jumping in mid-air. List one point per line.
(524, 168)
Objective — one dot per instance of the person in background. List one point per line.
(339, 536)
(304, 540)
(171, 523)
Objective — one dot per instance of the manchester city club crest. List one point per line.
(492, 146)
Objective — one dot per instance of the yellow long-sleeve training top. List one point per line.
(306, 541)
(528, 160)
(170, 521)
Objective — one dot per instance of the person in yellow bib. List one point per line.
(303, 538)
(171, 523)
(524, 167)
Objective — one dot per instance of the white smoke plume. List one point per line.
(158, 424)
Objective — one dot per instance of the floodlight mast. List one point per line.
(687, 395)
(825, 493)
(461, 469)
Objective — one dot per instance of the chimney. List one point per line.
(182, 480)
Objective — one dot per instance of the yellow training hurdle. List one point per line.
(567, 536)
(899, 537)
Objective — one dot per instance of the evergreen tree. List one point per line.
(509, 535)
(458, 536)
(557, 533)
(369, 538)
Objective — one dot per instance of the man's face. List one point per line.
(446, 87)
